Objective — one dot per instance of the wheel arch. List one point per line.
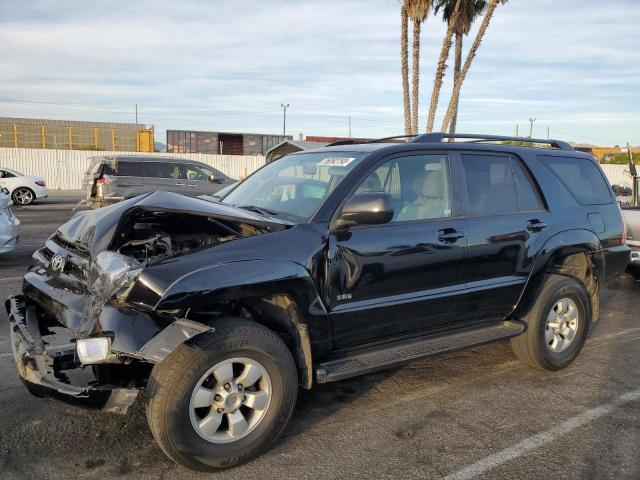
(278, 294)
(573, 253)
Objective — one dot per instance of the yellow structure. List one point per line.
(73, 135)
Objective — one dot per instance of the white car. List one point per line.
(23, 189)
(9, 223)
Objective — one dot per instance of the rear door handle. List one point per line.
(535, 225)
(449, 235)
(181, 184)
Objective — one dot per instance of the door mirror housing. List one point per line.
(367, 208)
(214, 179)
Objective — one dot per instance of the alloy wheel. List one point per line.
(563, 321)
(230, 400)
(23, 196)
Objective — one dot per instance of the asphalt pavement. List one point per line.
(479, 413)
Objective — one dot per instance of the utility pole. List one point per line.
(547, 132)
(284, 118)
(531, 121)
(517, 130)
(136, 113)
(349, 126)
(634, 176)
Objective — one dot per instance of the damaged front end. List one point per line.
(74, 334)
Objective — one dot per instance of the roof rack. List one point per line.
(479, 138)
(376, 140)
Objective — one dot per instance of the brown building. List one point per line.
(187, 141)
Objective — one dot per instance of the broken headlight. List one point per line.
(112, 275)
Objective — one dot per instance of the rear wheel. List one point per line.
(23, 196)
(557, 325)
(224, 397)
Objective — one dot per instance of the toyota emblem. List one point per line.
(58, 262)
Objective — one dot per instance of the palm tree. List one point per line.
(404, 60)
(452, 108)
(418, 11)
(469, 11)
(442, 65)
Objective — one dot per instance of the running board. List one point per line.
(377, 358)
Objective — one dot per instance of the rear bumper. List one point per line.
(40, 366)
(41, 192)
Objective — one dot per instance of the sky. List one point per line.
(573, 65)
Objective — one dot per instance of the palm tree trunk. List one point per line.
(404, 59)
(415, 88)
(472, 53)
(456, 74)
(442, 65)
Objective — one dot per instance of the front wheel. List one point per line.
(224, 397)
(557, 325)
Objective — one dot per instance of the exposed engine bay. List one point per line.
(151, 236)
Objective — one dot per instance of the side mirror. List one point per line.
(214, 179)
(367, 208)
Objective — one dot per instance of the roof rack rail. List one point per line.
(375, 140)
(342, 142)
(479, 138)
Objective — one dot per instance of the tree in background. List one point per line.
(469, 11)
(442, 65)
(455, 96)
(417, 11)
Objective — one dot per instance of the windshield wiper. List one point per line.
(260, 210)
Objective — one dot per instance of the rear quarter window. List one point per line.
(581, 177)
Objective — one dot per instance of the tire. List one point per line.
(170, 395)
(23, 196)
(533, 346)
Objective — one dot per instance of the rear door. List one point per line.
(203, 180)
(505, 213)
(127, 180)
(167, 176)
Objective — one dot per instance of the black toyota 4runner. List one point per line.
(318, 267)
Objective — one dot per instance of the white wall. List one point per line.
(616, 174)
(64, 169)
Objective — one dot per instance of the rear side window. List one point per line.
(528, 198)
(582, 178)
(127, 168)
(163, 170)
(489, 184)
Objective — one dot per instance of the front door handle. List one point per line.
(449, 235)
(535, 225)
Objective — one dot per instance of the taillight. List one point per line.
(101, 181)
(41, 183)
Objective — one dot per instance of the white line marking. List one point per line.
(6, 354)
(542, 438)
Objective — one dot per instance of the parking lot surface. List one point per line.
(478, 413)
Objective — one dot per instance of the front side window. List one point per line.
(581, 177)
(419, 186)
(295, 186)
(196, 172)
(489, 184)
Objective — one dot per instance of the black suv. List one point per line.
(320, 266)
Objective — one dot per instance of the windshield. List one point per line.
(294, 186)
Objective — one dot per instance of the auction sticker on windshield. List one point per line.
(336, 161)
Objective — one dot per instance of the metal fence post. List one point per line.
(15, 135)
(43, 134)
(113, 139)
(70, 138)
(95, 138)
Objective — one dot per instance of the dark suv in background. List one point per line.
(110, 179)
(320, 266)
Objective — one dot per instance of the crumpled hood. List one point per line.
(93, 230)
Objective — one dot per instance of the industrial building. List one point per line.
(187, 141)
(75, 135)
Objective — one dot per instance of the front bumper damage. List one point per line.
(43, 368)
(39, 366)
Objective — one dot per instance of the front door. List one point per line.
(402, 277)
(505, 218)
(167, 176)
(198, 179)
